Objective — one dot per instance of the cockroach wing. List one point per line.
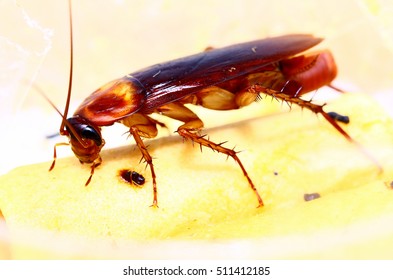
(113, 101)
(173, 80)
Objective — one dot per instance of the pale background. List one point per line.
(113, 38)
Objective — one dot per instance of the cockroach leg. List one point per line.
(256, 89)
(148, 159)
(187, 134)
(192, 124)
(95, 163)
(302, 103)
(55, 155)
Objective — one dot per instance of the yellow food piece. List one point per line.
(206, 207)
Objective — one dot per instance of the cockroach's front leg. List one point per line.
(192, 124)
(55, 154)
(94, 164)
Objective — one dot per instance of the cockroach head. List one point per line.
(85, 139)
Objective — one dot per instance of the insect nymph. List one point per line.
(219, 79)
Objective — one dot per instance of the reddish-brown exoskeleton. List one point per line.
(220, 79)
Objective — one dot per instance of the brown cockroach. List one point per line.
(225, 78)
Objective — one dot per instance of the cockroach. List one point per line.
(225, 78)
(132, 177)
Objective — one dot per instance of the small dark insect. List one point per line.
(338, 117)
(219, 79)
(311, 196)
(132, 177)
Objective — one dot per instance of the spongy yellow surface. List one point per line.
(206, 208)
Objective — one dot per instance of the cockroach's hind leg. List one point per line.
(363, 150)
(203, 141)
(318, 109)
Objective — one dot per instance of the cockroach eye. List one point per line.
(85, 130)
(90, 133)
